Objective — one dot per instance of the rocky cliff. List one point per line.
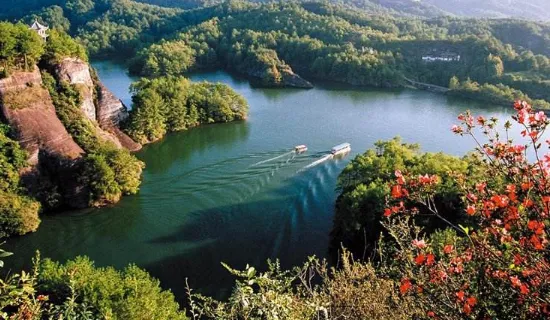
(56, 161)
(111, 112)
(77, 72)
(291, 79)
(27, 107)
(107, 111)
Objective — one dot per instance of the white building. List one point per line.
(445, 58)
(40, 29)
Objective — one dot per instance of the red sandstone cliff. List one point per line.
(27, 107)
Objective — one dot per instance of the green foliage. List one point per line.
(311, 291)
(107, 171)
(169, 104)
(18, 213)
(60, 45)
(498, 94)
(101, 180)
(12, 159)
(167, 58)
(364, 185)
(53, 17)
(20, 48)
(128, 294)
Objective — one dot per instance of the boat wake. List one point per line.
(317, 162)
(272, 159)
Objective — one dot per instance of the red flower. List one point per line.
(430, 259)
(396, 191)
(431, 314)
(387, 212)
(405, 286)
(481, 186)
(457, 129)
(471, 210)
(419, 260)
(515, 281)
(524, 289)
(500, 200)
(460, 295)
(448, 248)
(467, 309)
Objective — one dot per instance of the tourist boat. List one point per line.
(341, 149)
(301, 148)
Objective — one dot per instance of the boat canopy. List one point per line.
(341, 147)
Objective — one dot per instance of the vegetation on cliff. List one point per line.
(20, 48)
(18, 212)
(169, 104)
(107, 171)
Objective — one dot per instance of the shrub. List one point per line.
(498, 265)
(125, 295)
(364, 185)
(18, 214)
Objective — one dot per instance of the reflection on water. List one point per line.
(234, 192)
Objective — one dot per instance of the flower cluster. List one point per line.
(498, 263)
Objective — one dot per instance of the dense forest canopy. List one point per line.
(358, 42)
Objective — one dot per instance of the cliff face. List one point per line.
(77, 72)
(108, 111)
(53, 154)
(28, 109)
(56, 161)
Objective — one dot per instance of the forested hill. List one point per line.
(497, 60)
(538, 10)
(524, 9)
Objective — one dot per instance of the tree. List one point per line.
(28, 44)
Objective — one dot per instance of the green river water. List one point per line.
(234, 192)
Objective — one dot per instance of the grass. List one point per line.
(24, 98)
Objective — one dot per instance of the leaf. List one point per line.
(465, 229)
(251, 272)
(4, 254)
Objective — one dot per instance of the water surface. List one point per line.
(234, 192)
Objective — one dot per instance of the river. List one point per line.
(234, 192)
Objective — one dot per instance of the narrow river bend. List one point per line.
(234, 192)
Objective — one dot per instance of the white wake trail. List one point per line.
(272, 159)
(318, 162)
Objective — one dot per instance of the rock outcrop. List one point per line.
(27, 107)
(55, 160)
(107, 112)
(291, 79)
(77, 72)
(110, 110)
(110, 113)
(54, 157)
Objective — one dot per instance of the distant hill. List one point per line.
(525, 9)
